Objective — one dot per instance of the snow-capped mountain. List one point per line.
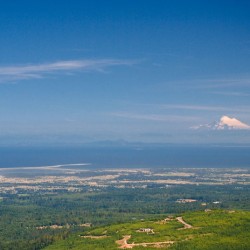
(225, 123)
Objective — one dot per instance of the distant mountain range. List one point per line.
(225, 123)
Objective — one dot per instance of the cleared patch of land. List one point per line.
(124, 244)
(218, 229)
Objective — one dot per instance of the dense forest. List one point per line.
(34, 221)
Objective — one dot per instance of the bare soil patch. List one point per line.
(123, 244)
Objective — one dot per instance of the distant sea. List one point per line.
(128, 156)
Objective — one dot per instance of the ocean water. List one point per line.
(128, 157)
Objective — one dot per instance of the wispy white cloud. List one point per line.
(32, 71)
(155, 117)
(194, 107)
(233, 93)
(211, 83)
(220, 83)
(205, 108)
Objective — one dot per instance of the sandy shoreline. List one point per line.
(49, 167)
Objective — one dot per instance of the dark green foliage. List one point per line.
(21, 214)
(217, 229)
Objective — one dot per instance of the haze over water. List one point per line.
(128, 157)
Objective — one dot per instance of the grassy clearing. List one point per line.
(217, 229)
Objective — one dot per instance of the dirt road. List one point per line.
(125, 245)
(186, 225)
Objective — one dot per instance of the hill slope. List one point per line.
(215, 229)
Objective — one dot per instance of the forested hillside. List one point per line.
(210, 229)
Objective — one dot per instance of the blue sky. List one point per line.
(80, 71)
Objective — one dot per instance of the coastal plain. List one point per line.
(50, 206)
